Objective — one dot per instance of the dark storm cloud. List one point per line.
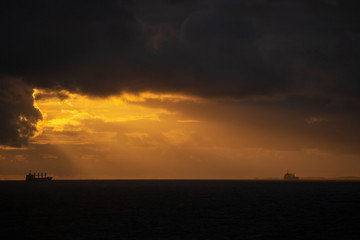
(207, 48)
(18, 115)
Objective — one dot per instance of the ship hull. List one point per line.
(291, 179)
(45, 179)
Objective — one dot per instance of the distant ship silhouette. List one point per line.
(290, 176)
(33, 177)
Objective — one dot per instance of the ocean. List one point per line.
(180, 209)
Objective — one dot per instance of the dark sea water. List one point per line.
(172, 209)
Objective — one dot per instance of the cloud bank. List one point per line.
(213, 49)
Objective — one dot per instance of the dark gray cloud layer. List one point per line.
(209, 48)
(18, 115)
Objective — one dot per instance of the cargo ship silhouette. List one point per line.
(37, 177)
(290, 176)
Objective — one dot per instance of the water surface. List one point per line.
(181, 209)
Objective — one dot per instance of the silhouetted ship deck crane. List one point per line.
(290, 176)
(37, 177)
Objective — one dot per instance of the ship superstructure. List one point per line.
(290, 176)
(37, 177)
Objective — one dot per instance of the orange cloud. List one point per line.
(80, 114)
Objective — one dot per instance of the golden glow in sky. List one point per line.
(168, 136)
(138, 91)
(78, 114)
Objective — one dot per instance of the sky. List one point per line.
(208, 89)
